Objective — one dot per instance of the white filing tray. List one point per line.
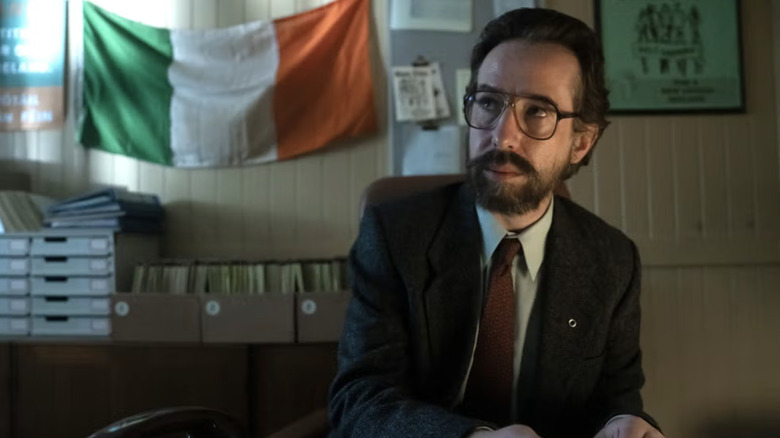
(59, 265)
(12, 266)
(100, 244)
(14, 245)
(14, 326)
(14, 306)
(14, 286)
(70, 306)
(58, 286)
(70, 326)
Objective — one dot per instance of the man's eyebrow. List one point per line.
(540, 97)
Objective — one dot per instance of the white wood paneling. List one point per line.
(709, 338)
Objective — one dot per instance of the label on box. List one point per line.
(18, 305)
(19, 325)
(100, 305)
(20, 285)
(18, 265)
(98, 244)
(98, 265)
(18, 244)
(98, 284)
(100, 324)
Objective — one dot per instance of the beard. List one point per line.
(509, 198)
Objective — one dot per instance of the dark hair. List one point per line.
(537, 25)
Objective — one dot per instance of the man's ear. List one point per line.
(583, 142)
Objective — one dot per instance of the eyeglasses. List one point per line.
(537, 118)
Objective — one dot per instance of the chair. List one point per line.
(206, 423)
(195, 422)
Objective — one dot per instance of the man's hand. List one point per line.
(628, 426)
(514, 431)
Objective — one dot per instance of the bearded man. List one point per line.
(494, 308)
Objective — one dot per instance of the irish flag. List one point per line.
(258, 92)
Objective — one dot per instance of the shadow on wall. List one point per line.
(754, 425)
(252, 232)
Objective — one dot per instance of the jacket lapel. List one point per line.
(453, 297)
(569, 310)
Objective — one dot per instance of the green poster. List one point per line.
(672, 55)
(32, 64)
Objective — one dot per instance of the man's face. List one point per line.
(510, 171)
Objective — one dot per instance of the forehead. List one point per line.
(545, 69)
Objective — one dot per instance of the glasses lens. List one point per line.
(484, 108)
(537, 118)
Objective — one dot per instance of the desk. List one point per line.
(69, 390)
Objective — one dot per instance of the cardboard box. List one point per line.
(151, 317)
(265, 318)
(320, 315)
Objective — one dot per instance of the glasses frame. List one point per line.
(510, 100)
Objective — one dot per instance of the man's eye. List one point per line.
(537, 112)
(488, 103)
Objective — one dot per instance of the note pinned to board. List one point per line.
(419, 93)
(433, 152)
(444, 15)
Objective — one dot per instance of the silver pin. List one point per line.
(572, 323)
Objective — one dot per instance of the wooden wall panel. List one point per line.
(289, 383)
(709, 340)
(70, 391)
(6, 385)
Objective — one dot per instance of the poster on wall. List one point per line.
(667, 56)
(32, 60)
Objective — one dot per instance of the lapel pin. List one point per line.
(572, 323)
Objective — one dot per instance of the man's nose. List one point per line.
(507, 133)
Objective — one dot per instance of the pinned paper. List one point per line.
(419, 93)
(432, 152)
(501, 6)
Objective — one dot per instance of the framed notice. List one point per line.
(32, 60)
(672, 56)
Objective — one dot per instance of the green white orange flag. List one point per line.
(253, 93)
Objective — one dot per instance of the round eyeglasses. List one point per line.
(537, 118)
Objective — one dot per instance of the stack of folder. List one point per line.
(113, 208)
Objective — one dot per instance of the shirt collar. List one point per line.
(532, 238)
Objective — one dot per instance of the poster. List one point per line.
(32, 60)
(672, 55)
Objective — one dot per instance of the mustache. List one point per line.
(499, 157)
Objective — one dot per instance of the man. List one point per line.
(494, 309)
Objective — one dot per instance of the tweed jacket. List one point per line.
(411, 326)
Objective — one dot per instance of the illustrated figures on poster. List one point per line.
(666, 36)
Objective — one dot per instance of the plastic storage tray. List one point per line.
(54, 285)
(70, 246)
(59, 265)
(14, 326)
(11, 266)
(14, 306)
(70, 306)
(14, 286)
(70, 326)
(14, 245)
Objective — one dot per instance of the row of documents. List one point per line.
(241, 277)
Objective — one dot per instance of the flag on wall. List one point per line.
(253, 93)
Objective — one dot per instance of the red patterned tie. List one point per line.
(489, 390)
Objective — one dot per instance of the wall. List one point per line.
(301, 207)
(699, 194)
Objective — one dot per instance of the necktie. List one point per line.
(489, 389)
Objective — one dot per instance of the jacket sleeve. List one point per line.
(372, 394)
(618, 388)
